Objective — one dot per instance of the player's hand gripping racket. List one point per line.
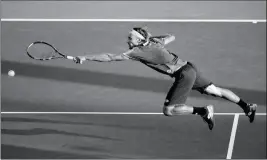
(39, 50)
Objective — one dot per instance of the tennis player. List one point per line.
(151, 51)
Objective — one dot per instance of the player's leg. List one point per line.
(207, 112)
(205, 86)
(177, 95)
(249, 109)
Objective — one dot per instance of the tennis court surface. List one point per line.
(61, 110)
(129, 136)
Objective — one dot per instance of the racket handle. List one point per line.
(70, 57)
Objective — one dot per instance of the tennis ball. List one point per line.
(11, 73)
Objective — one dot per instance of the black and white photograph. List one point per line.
(133, 79)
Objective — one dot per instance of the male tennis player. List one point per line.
(151, 51)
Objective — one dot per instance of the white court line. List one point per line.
(116, 113)
(232, 138)
(129, 20)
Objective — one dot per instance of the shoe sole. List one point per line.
(211, 111)
(252, 116)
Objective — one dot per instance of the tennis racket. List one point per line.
(39, 50)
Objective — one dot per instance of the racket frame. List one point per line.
(52, 57)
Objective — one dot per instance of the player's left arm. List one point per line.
(165, 39)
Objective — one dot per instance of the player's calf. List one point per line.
(182, 109)
(177, 109)
(213, 91)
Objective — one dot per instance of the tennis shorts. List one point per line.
(186, 79)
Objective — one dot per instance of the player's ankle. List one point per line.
(199, 111)
(243, 105)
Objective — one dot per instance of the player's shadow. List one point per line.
(7, 152)
(114, 80)
(42, 131)
(35, 120)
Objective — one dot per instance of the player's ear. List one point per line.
(139, 40)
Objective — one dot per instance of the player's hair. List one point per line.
(146, 36)
(143, 31)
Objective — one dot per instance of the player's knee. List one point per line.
(167, 110)
(213, 90)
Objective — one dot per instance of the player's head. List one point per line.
(138, 37)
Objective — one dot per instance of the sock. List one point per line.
(199, 110)
(243, 105)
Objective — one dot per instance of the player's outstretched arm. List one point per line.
(105, 57)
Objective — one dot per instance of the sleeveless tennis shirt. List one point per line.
(157, 57)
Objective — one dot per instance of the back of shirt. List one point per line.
(156, 56)
(153, 53)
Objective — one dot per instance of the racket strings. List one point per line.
(42, 51)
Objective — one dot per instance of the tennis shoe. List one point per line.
(251, 112)
(209, 116)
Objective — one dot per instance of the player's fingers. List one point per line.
(79, 59)
(76, 60)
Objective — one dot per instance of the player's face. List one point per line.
(133, 41)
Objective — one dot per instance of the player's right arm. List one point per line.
(105, 57)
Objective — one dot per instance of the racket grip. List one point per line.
(70, 57)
